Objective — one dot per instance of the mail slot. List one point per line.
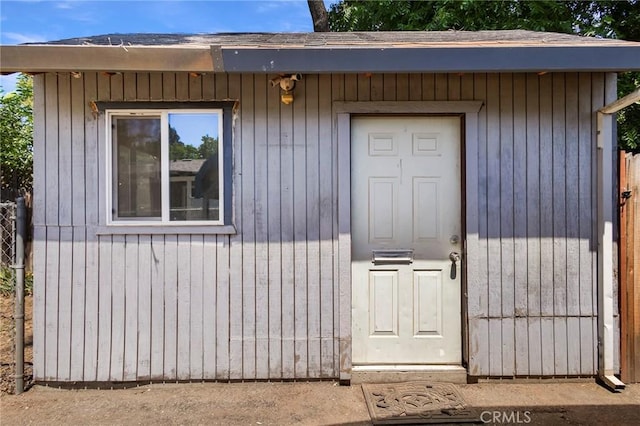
(392, 257)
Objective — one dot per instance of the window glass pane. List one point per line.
(137, 181)
(194, 166)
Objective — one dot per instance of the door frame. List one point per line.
(342, 112)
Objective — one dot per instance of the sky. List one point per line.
(27, 21)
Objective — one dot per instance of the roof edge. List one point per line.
(215, 58)
(45, 58)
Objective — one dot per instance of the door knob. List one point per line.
(455, 258)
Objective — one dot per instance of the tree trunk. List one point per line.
(319, 15)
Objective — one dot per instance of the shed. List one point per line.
(373, 206)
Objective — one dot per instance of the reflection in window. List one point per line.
(194, 166)
(137, 182)
(166, 166)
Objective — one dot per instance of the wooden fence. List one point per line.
(629, 264)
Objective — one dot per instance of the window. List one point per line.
(166, 167)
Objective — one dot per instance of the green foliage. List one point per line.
(602, 18)
(16, 138)
(178, 150)
(629, 118)
(621, 19)
(209, 147)
(7, 281)
(469, 15)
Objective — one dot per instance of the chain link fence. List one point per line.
(12, 288)
(7, 234)
(7, 246)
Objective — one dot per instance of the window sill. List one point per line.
(166, 230)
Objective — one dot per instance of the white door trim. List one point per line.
(342, 135)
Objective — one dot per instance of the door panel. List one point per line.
(383, 303)
(383, 201)
(406, 196)
(427, 303)
(425, 209)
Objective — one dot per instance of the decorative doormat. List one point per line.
(417, 403)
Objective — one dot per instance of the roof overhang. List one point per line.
(46, 58)
(433, 59)
(405, 57)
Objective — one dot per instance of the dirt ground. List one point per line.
(7, 347)
(191, 404)
(306, 403)
(313, 403)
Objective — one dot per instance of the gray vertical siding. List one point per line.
(264, 303)
(535, 312)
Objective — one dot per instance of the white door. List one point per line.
(406, 227)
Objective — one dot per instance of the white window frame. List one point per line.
(163, 114)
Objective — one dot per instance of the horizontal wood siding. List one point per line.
(265, 303)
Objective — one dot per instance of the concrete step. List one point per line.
(403, 373)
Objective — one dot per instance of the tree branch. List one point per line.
(319, 15)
